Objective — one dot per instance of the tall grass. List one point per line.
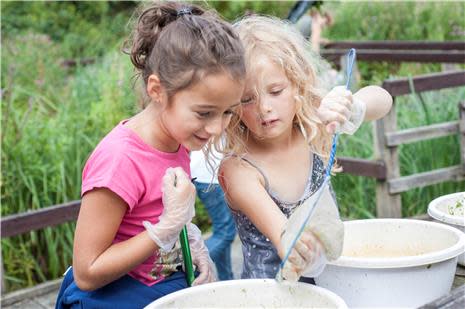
(51, 121)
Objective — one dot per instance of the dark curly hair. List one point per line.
(180, 43)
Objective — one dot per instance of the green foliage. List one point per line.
(84, 28)
(408, 20)
(231, 10)
(51, 121)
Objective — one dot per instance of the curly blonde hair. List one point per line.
(285, 46)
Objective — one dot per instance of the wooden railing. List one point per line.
(396, 51)
(388, 138)
(38, 219)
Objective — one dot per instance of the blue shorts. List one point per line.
(125, 292)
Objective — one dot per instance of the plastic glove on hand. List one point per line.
(200, 256)
(324, 228)
(307, 253)
(341, 111)
(178, 208)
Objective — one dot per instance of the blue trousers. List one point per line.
(224, 229)
(123, 293)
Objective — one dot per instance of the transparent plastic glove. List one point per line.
(324, 225)
(335, 108)
(308, 253)
(178, 208)
(341, 111)
(200, 256)
(357, 115)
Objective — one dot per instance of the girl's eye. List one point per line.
(203, 114)
(228, 112)
(276, 92)
(246, 100)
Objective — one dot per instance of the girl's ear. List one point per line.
(155, 89)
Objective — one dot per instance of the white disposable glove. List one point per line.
(341, 111)
(178, 208)
(321, 240)
(307, 254)
(200, 256)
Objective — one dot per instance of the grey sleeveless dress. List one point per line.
(261, 259)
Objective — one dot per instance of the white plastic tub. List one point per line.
(250, 293)
(440, 210)
(394, 263)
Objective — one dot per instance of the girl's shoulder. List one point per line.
(237, 172)
(236, 165)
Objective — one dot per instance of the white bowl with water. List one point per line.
(449, 209)
(251, 293)
(394, 263)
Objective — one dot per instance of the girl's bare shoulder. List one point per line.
(234, 171)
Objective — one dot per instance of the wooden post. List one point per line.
(2, 271)
(387, 205)
(462, 133)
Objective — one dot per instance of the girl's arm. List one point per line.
(377, 100)
(245, 191)
(96, 261)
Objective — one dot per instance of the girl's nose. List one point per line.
(215, 127)
(265, 106)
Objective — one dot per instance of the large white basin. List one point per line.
(251, 293)
(443, 210)
(394, 263)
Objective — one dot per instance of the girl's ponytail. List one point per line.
(180, 42)
(149, 26)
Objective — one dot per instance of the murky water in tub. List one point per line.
(382, 251)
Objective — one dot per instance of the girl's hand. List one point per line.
(200, 256)
(307, 254)
(335, 108)
(178, 208)
(321, 240)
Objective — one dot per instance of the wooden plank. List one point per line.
(363, 167)
(402, 184)
(2, 277)
(425, 82)
(28, 293)
(420, 56)
(462, 132)
(422, 133)
(405, 45)
(387, 205)
(37, 219)
(454, 300)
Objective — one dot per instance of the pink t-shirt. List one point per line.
(123, 163)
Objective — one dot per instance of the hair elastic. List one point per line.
(184, 11)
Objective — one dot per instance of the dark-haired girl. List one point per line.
(136, 189)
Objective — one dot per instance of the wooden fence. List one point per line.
(397, 51)
(387, 140)
(385, 169)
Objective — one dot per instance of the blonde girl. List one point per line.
(280, 145)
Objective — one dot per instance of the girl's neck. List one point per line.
(278, 144)
(148, 124)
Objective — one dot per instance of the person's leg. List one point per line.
(224, 229)
(125, 292)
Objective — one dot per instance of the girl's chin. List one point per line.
(195, 144)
